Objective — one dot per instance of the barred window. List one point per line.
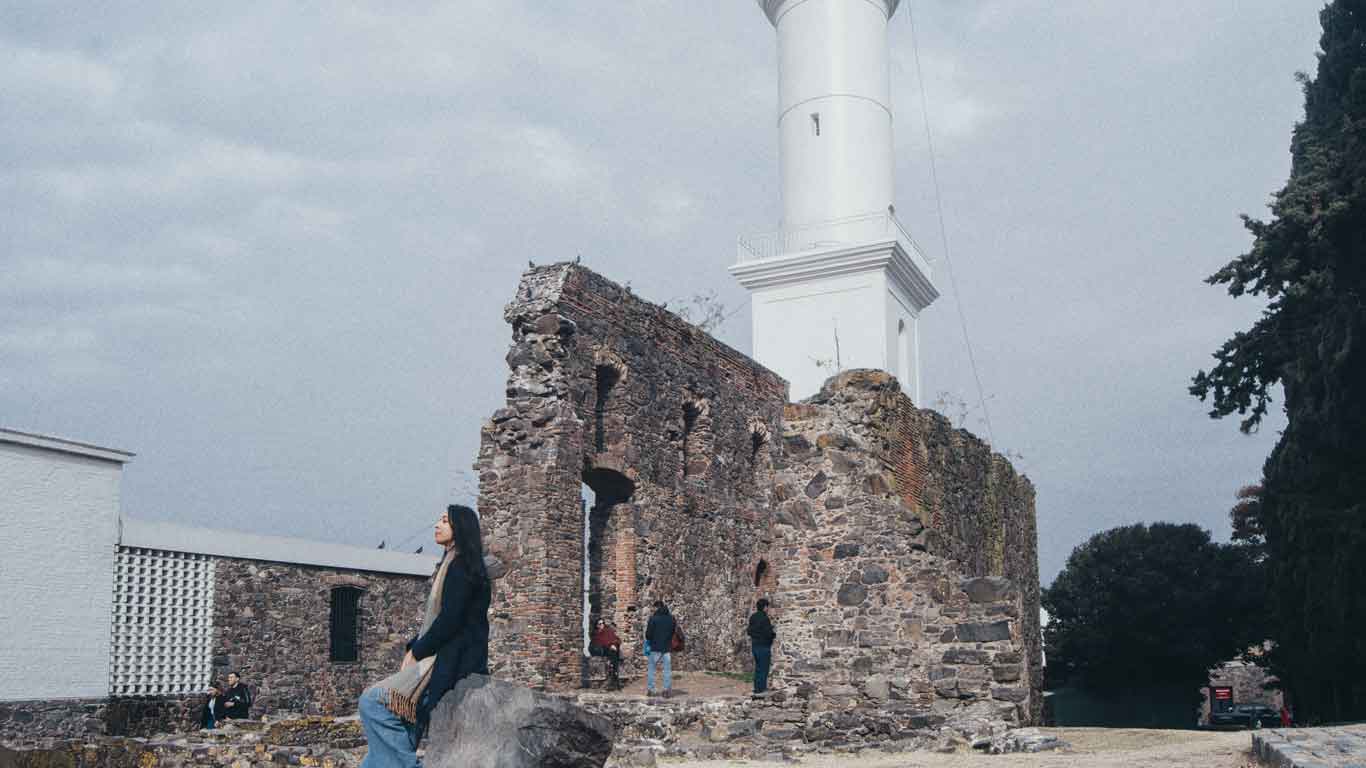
(345, 623)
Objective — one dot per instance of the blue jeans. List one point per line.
(668, 671)
(763, 659)
(392, 740)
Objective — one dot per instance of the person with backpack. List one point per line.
(659, 633)
(761, 637)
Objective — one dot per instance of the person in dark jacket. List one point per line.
(659, 633)
(453, 644)
(236, 699)
(606, 643)
(212, 711)
(761, 636)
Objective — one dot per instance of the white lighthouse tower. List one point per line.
(840, 285)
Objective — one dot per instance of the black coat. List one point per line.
(660, 632)
(761, 629)
(241, 703)
(458, 637)
(209, 718)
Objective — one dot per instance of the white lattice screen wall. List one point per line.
(163, 623)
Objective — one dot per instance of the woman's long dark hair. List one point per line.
(469, 543)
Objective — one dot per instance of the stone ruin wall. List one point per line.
(671, 429)
(879, 599)
(900, 553)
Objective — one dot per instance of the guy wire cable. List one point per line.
(943, 232)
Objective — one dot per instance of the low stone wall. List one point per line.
(36, 722)
(1337, 747)
(313, 741)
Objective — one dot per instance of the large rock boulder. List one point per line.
(487, 723)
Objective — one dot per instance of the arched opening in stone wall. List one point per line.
(758, 438)
(607, 377)
(608, 549)
(760, 571)
(696, 438)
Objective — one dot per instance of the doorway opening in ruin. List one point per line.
(760, 571)
(608, 551)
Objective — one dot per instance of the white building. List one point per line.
(94, 605)
(59, 520)
(840, 285)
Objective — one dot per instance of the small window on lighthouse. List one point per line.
(816, 123)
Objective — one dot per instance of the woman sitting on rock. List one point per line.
(453, 644)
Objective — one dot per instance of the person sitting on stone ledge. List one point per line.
(605, 643)
(659, 633)
(212, 710)
(453, 644)
(237, 699)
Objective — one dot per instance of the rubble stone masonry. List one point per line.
(900, 553)
(669, 428)
(874, 600)
(271, 623)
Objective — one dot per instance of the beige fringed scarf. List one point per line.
(402, 690)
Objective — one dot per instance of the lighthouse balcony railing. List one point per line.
(851, 230)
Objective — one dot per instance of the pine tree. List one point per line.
(1309, 261)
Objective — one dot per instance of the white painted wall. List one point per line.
(903, 347)
(795, 327)
(58, 534)
(841, 263)
(833, 69)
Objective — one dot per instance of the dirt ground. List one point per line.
(689, 685)
(1091, 748)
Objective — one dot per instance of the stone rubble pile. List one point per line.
(782, 727)
(785, 727)
(1019, 740)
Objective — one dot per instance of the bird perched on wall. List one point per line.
(578, 258)
(530, 263)
(381, 544)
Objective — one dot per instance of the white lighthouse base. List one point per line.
(826, 309)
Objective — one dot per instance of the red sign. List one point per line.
(1223, 693)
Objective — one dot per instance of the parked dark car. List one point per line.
(1247, 716)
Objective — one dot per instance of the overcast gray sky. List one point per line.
(266, 245)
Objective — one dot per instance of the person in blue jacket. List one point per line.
(453, 644)
(659, 633)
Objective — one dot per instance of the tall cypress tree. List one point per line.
(1309, 261)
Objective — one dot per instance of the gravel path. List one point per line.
(1091, 748)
